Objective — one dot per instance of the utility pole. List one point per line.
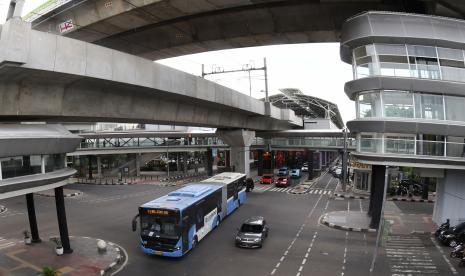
(246, 68)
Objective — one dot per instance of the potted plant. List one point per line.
(49, 271)
(58, 245)
(27, 237)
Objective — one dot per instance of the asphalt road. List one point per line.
(297, 244)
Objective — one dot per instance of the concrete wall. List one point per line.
(450, 198)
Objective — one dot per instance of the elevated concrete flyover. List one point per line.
(157, 29)
(46, 77)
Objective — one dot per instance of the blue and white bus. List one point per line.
(173, 224)
(233, 190)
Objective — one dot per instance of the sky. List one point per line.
(315, 69)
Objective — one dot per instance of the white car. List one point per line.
(305, 168)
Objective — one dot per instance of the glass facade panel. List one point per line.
(54, 162)
(389, 49)
(398, 104)
(425, 62)
(455, 108)
(421, 51)
(369, 105)
(446, 53)
(368, 143)
(399, 145)
(453, 74)
(429, 107)
(20, 166)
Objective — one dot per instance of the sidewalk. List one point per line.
(349, 193)
(348, 221)
(26, 260)
(397, 221)
(66, 193)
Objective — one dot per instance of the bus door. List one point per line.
(185, 233)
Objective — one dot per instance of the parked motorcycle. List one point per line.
(443, 227)
(458, 251)
(453, 236)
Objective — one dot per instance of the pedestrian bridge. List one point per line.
(46, 77)
(106, 143)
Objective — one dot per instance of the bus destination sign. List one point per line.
(159, 212)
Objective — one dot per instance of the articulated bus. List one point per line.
(173, 224)
(233, 190)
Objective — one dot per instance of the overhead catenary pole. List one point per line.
(248, 69)
(266, 79)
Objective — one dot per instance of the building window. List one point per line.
(399, 144)
(54, 162)
(429, 106)
(455, 108)
(398, 104)
(20, 166)
(369, 105)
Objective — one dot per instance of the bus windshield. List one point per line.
(158, 226)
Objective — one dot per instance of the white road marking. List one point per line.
(454, 271)
(407, 256)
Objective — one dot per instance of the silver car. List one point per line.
(252, 233)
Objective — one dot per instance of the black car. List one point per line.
(451, 236)
(252, 233)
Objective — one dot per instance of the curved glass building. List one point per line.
(409, 91)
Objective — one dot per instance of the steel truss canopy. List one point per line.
(307, 106)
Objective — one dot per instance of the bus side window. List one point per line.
(200, 216)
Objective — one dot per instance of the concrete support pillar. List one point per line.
(184, 162)
(178, 163)
(241, 159)
(310, 164)
(260, 162)
(31, 212)
(62, 224)
(209, 162)
(377, 194)
(99, 167)
(89, 159)
(138, 157)
(450, 198)
(228, 159)
(239, 141)
(425, 188)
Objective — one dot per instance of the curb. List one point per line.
(350, 196)
(105, 184)
(345, 228)
(2, 209)
(422, 232)
(411, 200)
(66, 195)
(120, 259)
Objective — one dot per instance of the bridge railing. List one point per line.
(315, 142)
(98, 143)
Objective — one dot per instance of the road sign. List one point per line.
(66, 26)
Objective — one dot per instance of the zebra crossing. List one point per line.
(289, 189)
(5, 243)
(407, 256)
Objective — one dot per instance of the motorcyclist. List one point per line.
(249, 184)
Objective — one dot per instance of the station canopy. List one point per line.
(307, 106)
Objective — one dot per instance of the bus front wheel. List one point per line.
(194, 242)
